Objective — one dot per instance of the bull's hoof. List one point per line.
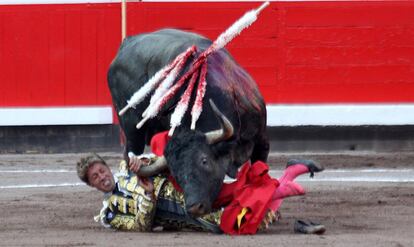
(308, 227)
(312, 166)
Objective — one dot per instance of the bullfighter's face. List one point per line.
(100, 177)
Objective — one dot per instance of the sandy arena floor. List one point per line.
(356, 209)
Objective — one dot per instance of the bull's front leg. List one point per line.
(135, 142)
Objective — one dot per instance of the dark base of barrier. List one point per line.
(101, 138)
(59, 139)
(342, 138)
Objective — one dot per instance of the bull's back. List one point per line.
(141, 56)
(228, 84)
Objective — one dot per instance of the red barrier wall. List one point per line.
(298, 52)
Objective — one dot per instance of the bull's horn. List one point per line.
(226, 130)
(159, 165)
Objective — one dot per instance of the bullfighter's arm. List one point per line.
(135, 163)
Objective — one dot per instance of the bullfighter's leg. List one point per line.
(287, 186)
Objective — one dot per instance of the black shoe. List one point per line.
(308, 227)
(312, 166)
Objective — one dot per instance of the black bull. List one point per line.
(198, 166)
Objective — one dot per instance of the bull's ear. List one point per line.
(222, 148)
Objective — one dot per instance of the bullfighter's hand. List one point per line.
(147, 185)
(135, 163)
